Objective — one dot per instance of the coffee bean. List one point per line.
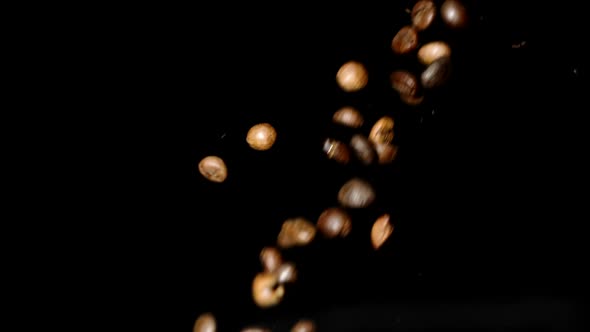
(304, 325)
(337, 150)
(454, 14)
(213, 169)
(405, 40)
(271, 259)
(266, 290)
(404, 82)
(382, 131)
(255, 329)
(205, 323)
(286, 273)
(334, 222)
(296, 232)
(433, 51)
(348, 116)
(356, 193)
(381, 231)
(363, 149)
(437, 74)
(386, 152)
(423, 14)
(352, 76)
(261, 136)
(411, 100)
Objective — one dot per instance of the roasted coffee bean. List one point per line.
(334, 222)
(437, 74)
(337, 150)
(363, 149)
(266, 290)
(352, 76)
(255, 329)
(261, 136)
(386, 152)
(454, 14)
(404, 82)
(348, 116)
(356, 193)
(433, 51)
(381, 231)
(271, 259)
(205, 323)
(411, 100)
(304, 325)
(286, 273)
(296, 232)
(213, 169)
(382, 131)
(405, 40)
(423, 14)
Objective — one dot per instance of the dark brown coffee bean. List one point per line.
(437, 74)
(352, 76)
(433, 51)
(362, 149)
(381, 231)
(337, 150)
(271, 259)
(286, 273)
(405, 40)
(386, 153)
(423, 14)
(296, 232)
(404, 82)
(261, 136)
(213, 169)
(454, 14)
(255, 329)
(304, 325)
(356, 193)
(348, 116)
(266, 290)
(411, 100)
(334, 222)
(205, 323)
(382, 131)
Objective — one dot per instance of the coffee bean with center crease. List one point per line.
(296, 232)
(271, 259)
(348, 116)
(266, 290)
(352, 76)
(381, 231)
(404, 82)
(205, 323)
(437, 74)
(406, 40)
(304, 325)
(286, 273)
(334, 222)
(433, 51)
(423, 14)
(454, 14)
(213, 169)
(337, 151)
(356, 193)
(362, 149)
(382, 131)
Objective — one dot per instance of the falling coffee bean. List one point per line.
(363, 149)
(411, 100)
(266, 290)
(437, 74)
(261, 136)
(356, 193)
(405, 40)
(404, 82)
(286, 273)
(382, 131)
(334, 222)
(296, 232)
(352, 76)
(386, 152)
(205, 323)
(337, 150)
(255, 329)
(213, 169)
(454, 14)
(348, 116)
(381, 231)
(271, 259)
(304, 325)
(433, 51)
(423, 14)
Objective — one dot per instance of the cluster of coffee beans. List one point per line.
(378, 147)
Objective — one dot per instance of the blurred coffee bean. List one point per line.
(266, 290)
(423, 14)
(255, 329)
(213, 169)
(296, 232)
(411, 100)
(304, 325)
(356, 193)
(205, 323)
(286, 273)
(381, 231)
(261, 136)
(271, 259)
(382, 131)
(352, 76)
(337, 150)
(454, 14)
(386, 152)
(334, 222)
(362, 149)
(437, 74)
(405, 40)
(348, 116)
(433, 51)
(404, 82)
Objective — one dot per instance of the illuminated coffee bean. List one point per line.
(433, 51)
(266, 290)
(334, 222)
(348, 116)
(386, 153)
(213, 169)
(362, 149)
(404, 82)
(423, 14)
(286, 273)
(304, 325)
(271, 259)
(205, 323)
(337, 150)
(381, 231)
(411, 100)
(296, 232)
(356, 193)
(261, 136)
(454, 14)
(405, 40)
(352, 76)
(437, 73)
(382, 131)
